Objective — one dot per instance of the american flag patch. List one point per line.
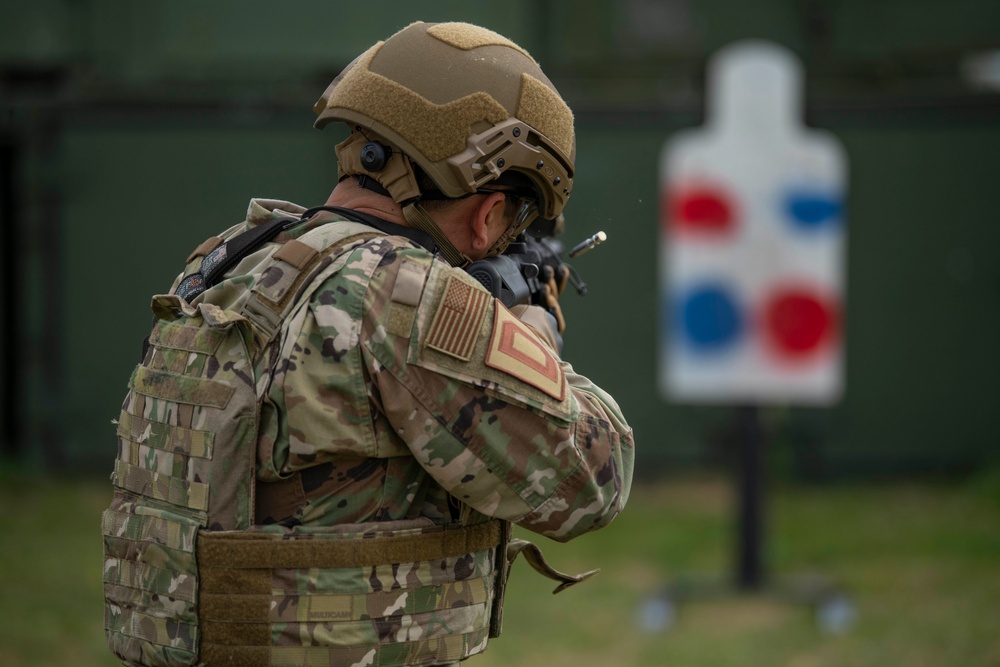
(458, 319)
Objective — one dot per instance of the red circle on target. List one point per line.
(798, 322)
(702, 209)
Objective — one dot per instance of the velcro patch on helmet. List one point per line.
(458, 319)
(466, 37)
(543, 108)
(515, 350)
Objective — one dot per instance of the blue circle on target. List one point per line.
(811, 209)
(709, 317)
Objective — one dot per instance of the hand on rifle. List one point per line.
(553, 285)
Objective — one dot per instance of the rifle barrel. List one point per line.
(588, 244)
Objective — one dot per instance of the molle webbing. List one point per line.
(328, 598)
(150, 584)
(187, 440)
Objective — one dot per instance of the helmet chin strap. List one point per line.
(501, 243)
(394, 174)
(418, 218)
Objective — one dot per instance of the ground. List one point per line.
(920, 560)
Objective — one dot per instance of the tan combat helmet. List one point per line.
(468, 107)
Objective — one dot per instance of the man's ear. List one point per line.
(486, 216)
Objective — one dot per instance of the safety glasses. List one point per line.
(527, 212)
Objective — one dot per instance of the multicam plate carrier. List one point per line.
(190, 580)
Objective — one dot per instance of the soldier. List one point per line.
(403, 416)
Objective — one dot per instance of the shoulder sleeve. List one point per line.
(489, 410)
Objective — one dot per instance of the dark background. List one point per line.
(129, 132)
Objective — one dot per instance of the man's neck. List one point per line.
(348, 194)
(454, 221)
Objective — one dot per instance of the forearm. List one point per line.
(557, 478)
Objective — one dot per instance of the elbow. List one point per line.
(595, 492)
(581, 508)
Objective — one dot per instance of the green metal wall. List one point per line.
(142, 128)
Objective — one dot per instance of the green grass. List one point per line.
(50, 572)
(921, 561)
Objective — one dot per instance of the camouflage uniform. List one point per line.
(320, 455)
(403, 413)
(405, 391)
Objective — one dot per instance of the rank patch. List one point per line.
(458, 318)
(515, 350)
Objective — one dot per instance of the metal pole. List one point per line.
(750, 569)
(12, 384)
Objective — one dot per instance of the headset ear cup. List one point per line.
(374, 156)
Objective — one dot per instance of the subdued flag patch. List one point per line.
(515, 350)
(458, 318)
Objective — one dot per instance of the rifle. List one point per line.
(520, 274)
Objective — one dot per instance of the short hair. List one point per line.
(515, 187)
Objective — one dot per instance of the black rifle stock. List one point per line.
(520, 274)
